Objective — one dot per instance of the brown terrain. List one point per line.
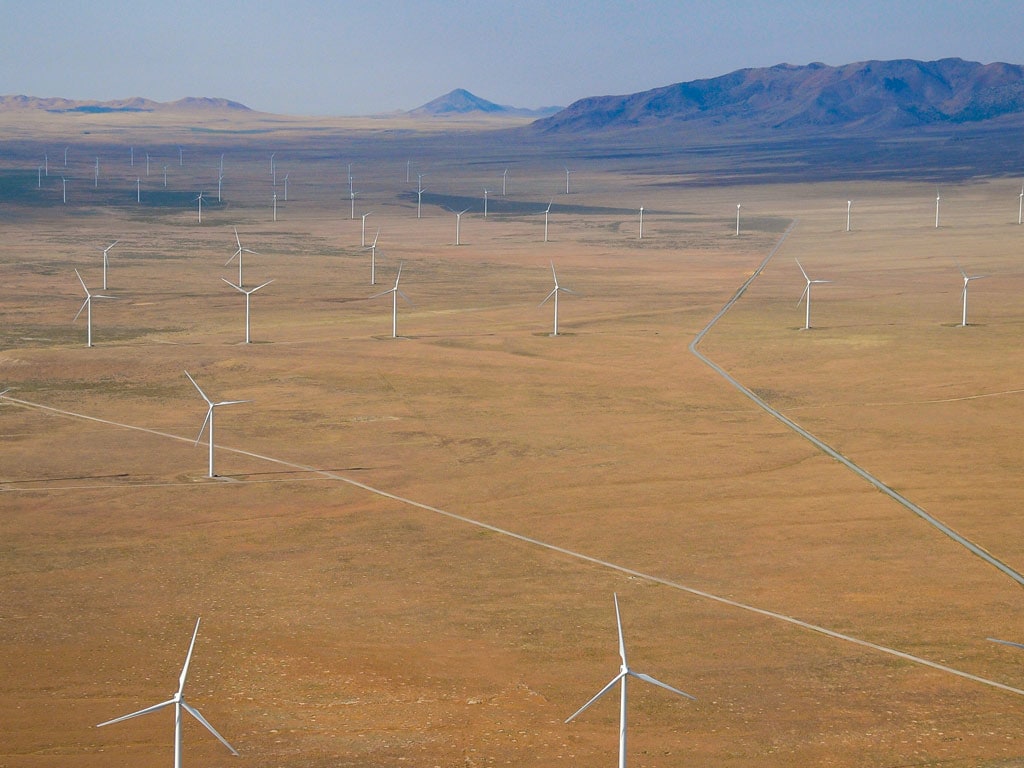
(410, 554)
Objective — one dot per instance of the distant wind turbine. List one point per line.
(211, 406)
(362, 236)
(504, 178)
(738, 205)
(849, 204)
(554, 295)
(105, 252)
(567, 172)
(179, 703)
(275, 206)
(395, 293)
(807, 294)
(419, 195)
(641, 223)
(286, 187)
(138, 190)
(624, 674)
(96, 173)
(372, 248)
(486, 192)
(65, 157)
(200, 201)
(87, 306)
(547, 212)
(238, 255)
(64, 189)
(165, 175)
(967, 280)
(1020, 206)
(458, 221)
(937, 198)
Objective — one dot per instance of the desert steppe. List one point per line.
(410, 552)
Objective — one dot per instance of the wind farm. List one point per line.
(405, 553)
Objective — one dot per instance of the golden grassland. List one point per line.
(344, 625)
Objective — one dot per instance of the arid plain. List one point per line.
(410, 555)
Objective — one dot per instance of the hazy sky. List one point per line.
(321, 57)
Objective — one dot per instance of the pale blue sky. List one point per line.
(348, 58)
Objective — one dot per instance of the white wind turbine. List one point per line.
(138, 190)
(849, 204)
(362, 235)
(372, 248)
(567, 172)
(247, 293)
(554, 295)
(200, 201)
(87, 306)
(641, 223)
(967, 280)
(165, 175)
(504, 179)
(275, 206)
(486, 193)
(96, 173)
(209, 417)
(64, 188)
(458, 222)
(286, 187)
(624, 673)
(179, 703)
(738, 206)
(547, 212)
(105, 252)
(352, 199)
(1020, 206)
(937, 198)
(238, 255)
(807, 294)
(395, 293)
(419, 195)
(39, 181)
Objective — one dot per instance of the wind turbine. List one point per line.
(200, 200)
(395, 293)
(547, 211)
(209, 417)
(504, 178)
(362, 236)
(1020, 207)
(247, 293)
(238, 255)
(64, 189)
(147, 163)
(96, 173)
(807, 294)
(624, 673)
(165, 175)
(220, 183)
(937, 198)
(179, 703)
(133, 156)
(967, 279)
(738, 205)
(567, 172)
(39, 181)
(286, 187)
(554, 294)
(372, 248)
(352, 198)
(87, 306)
(138, 190)
(458, 221)
(275, 206)
(641, 223)
(181, 157)
(105, 252)
(486, 193)
(65, 157)
(419, 195)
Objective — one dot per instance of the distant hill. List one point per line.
(135, 104)
(869, 96)
(462, 102)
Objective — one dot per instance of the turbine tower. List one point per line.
(247, 293)
(87, 306)
(547, 212)
(105, 252)
(624, 674)
(209, 417)
(179, 703)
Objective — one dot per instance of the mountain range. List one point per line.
(866, 97)
(135, 104)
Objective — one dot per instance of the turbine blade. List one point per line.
(237, 239)
(253, 290)
(622, 643)
(376, 236)
(666, 686)
(84, 305)
(195, 713)
(553, 291)
(405, 297)
(807, 290)
(140, 712)
(234, 256)
(1005, 642)
(197, 387)
(230, 402)
(801, 269)
(382, 293)
(87, 290)
(600, 693)
(209, 415)
(236, 287)
(188, 659)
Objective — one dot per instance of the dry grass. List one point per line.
(344, 626)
